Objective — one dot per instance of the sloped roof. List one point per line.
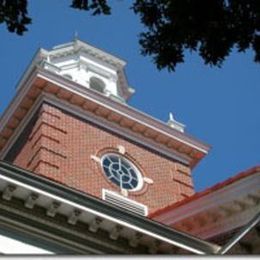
(24, 183)
(207, 191)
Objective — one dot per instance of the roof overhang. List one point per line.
(127, 121)
(217, 210)
(42, 205)
(77, 45)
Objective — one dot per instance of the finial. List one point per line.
(171, 121)
(175, 124)
(171, 117)
(76, 35)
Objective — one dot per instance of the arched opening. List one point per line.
(97, 84)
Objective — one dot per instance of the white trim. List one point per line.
(148, 180)
(12, 246)
(224, 225)
(89, 117)
(212, 200)
(23, 124)
(107, 104)
(119, 197)
(110, 105)
(121, 149)
(140, 180)
(102, 215)
(97, 70)
(114, 128)
(21, 93)
(91, 50)
(95, 158)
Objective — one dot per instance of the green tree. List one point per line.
(210, 27)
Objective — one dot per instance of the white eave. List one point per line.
(218, 211)
(133, 121)
(78, 45)
(56, 199)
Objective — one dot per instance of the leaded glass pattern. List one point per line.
(121, 172)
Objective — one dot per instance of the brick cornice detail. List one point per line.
(124, 116)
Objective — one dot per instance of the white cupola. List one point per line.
(88, 66)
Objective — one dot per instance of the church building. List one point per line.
(82, 172)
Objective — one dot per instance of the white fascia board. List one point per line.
(89, 117)
(129, 112)
(31, 66)
(101, 53)
(127, 91)
(12, 246)
(93, 51)
(116, 107)
(14, 104)
(102, 215)
(67, 107)
(21, 127)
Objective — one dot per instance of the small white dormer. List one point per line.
(89, 67)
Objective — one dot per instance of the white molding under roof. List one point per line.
(78, 45)
(11, 246)
(131, 120)
(97, 215)
(69, 200)
(219, 211)
(49, 99)
(125, 110)
(217, 198)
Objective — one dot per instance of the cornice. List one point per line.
(78, 45)
(218, 212)
(93, 118)
(217, 199)
(123, 109)
(226, 224)
(58, 200)
(118, 129)
(43, 81)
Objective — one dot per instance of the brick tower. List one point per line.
(69, 122)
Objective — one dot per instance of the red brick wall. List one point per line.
(59, 146)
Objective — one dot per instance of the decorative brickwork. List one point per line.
(59, 146)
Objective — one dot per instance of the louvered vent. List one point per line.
(124, 203)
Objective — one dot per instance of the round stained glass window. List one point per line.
(122, 172)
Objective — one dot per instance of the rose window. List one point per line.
(122, 172)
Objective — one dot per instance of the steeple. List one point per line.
(69, 122)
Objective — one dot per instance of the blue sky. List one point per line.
(218, 106)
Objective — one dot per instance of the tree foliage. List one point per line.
(14, 14)
(210, 27)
